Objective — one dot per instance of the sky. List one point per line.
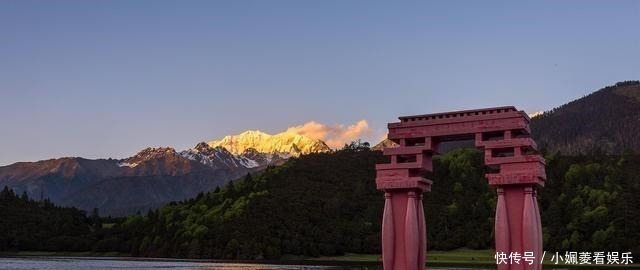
(102, 79)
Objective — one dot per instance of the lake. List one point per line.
(90, 263)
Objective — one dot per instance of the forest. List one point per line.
(605, 120)
(327, 204)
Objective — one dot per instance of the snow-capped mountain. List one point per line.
(538, 113)
(148, 179)
(219, 157)
(153, 176)
(146, 154)
(287, 143)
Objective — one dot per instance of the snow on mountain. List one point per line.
(220, 157)
(248, 150)
(287, 143)
(252, 156)
(153, 176)
(215, 157)
(127, 164)
(146, 154)
(532, 115)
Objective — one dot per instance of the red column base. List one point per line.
(517, 227)
(403, 230)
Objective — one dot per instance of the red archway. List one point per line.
(518, 170)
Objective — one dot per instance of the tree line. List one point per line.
(327, 204)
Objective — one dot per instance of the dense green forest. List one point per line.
(327, 204)
(26, 224)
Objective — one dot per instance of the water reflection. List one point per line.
(69, 263)
(56, 263)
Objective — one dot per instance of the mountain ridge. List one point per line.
(150, 178)
(284, 142)
(606, 120)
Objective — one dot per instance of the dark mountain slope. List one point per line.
(606, 120)
(55, 178)
(149, 179)
(327, 204)
(317, 204)
(120, 196)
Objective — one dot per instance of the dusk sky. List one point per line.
(102, 79)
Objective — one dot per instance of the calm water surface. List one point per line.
(66, 263)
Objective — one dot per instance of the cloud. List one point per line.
(334, 136)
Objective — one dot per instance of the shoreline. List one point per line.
(456, 258)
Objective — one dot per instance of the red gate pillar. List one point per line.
(404, 241)
(517, 228)
(521, 171)
(517, 171)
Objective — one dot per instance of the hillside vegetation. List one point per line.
(607, 120)
(326, 204)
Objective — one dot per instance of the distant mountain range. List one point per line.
(608, 120)
(154, 176)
